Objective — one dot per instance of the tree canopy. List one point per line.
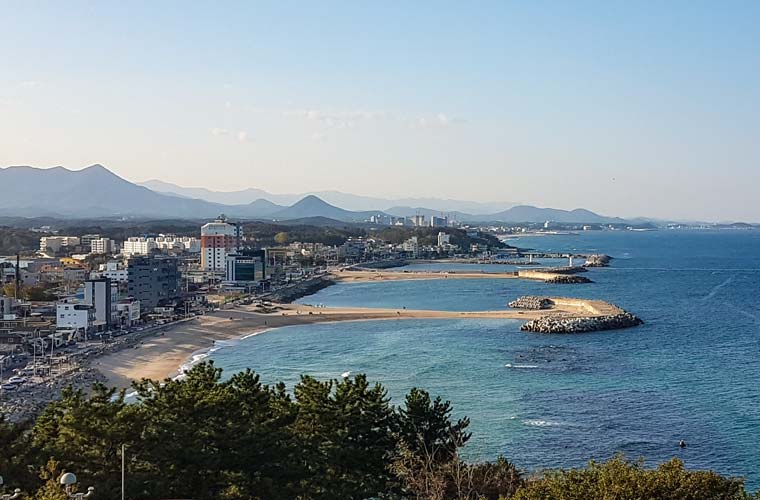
(206, 436)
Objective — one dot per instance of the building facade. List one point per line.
(56, 243)
(102, 246)
(245, 267)
(75, 316)
(153, 280)
(102, 294)
(138, 246)
(218, 239)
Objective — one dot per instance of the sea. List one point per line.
(691, 372)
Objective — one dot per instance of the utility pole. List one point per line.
(123, 470)
(18, 275)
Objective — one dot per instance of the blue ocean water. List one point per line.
(692, 371)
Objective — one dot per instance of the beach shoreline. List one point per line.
(164, 355)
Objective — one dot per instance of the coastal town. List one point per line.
(80, 300)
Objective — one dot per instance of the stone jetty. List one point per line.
(568, 279)
(564, 324)
(531, 302)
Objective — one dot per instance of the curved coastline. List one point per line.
(166, 356)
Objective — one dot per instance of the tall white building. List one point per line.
(218, 239)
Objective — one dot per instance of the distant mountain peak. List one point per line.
(312, 200)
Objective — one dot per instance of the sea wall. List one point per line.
(300, 289)
(382, 264)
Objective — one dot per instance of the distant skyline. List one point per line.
(624, 108)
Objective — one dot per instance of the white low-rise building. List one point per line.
(75, 316)
(55, 243)
(138, 246)
(144, 246)
(129, 311)
(114, 271)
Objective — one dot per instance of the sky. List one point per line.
(625, 108)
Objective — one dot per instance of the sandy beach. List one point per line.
(161, 356)
(384, 275)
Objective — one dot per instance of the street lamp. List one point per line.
(16, 492)
(68, 480)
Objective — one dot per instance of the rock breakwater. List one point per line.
(564, 324)
(531, 302)
(568, 279)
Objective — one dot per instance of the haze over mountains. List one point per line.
(346, 200)
(97, 192)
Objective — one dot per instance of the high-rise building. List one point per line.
(439, 221)
(153, 280)
(218, 239)
(418, 220)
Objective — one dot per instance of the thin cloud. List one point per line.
(350, 119)
(218, 132)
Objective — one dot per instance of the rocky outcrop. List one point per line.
(568, 279)
(597, 260)
(564, 324)
(531, 302)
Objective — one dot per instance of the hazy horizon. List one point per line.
(625, 109)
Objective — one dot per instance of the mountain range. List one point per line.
(97, 192)
(346, 200)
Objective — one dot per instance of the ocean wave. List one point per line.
(525, 367)
(541, 423)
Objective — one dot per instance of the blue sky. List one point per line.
(626, 108)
